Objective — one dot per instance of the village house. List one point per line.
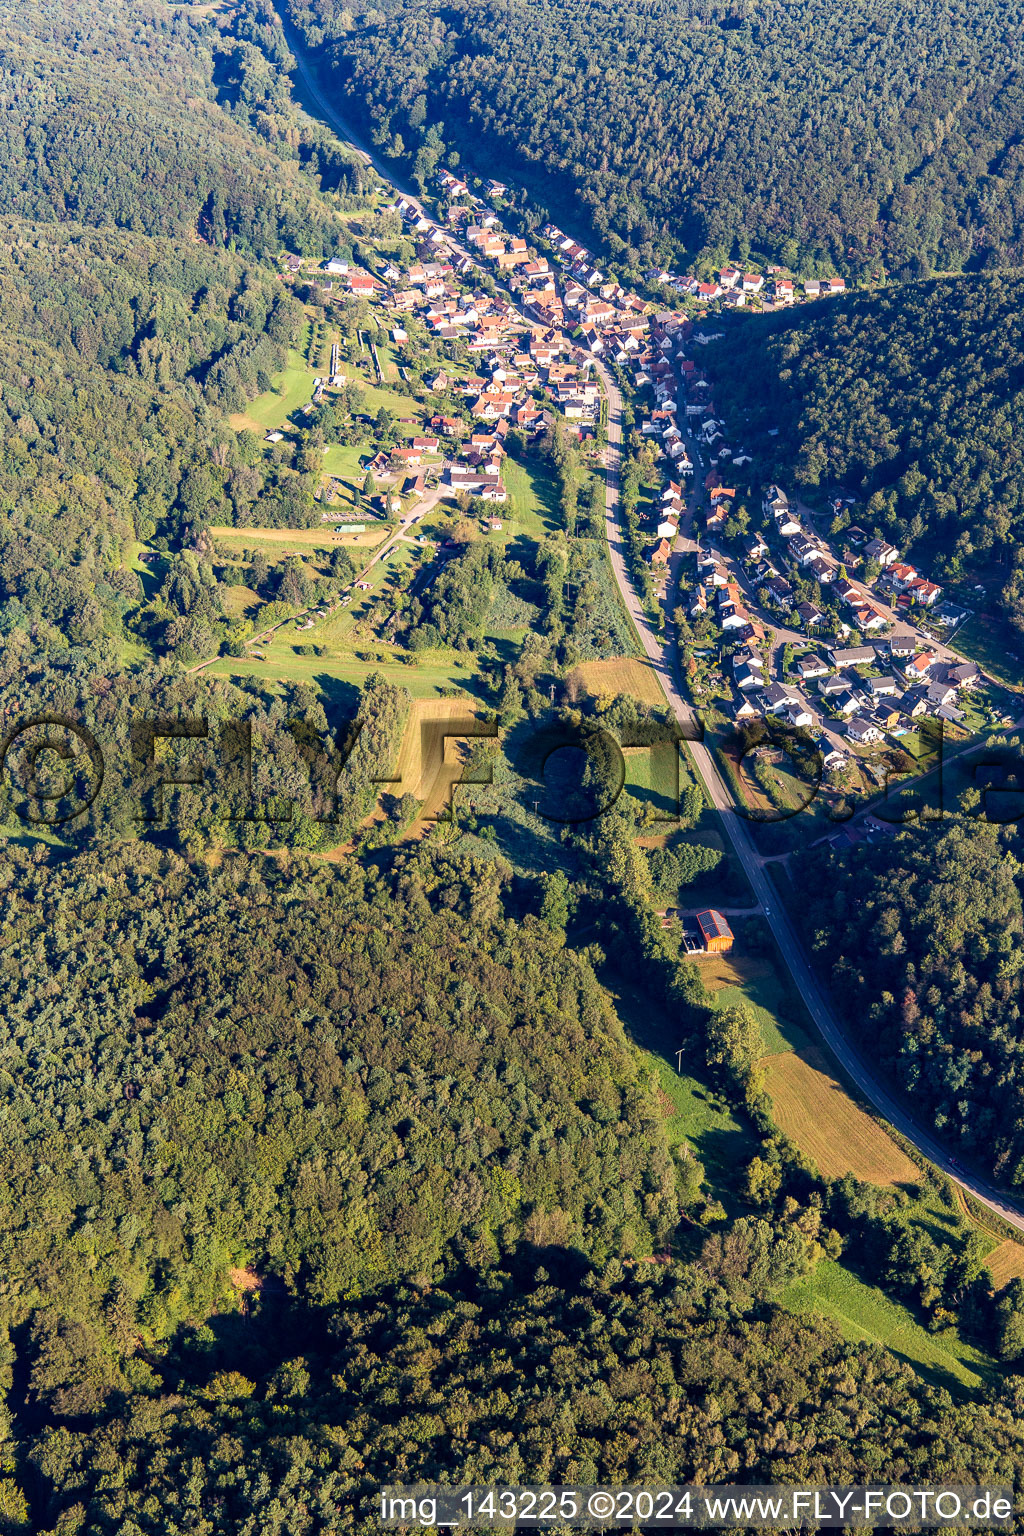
(963, 675)
(781, 592)
(831, 687)
(809, 615)
(856, 656)
(863, 731)
(886, 715)
(923, 592)
(885, 554)
(914, 702)
(778, 697)
(919, 666)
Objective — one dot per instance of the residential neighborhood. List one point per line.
(828, 630)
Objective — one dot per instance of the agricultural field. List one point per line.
(864, 1314)
(813, 1108)
(1005, 1263)
(628, 675)
(431, 760)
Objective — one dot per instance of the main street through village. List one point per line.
(663, 657)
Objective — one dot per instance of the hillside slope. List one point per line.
(879, 132)
(911, 399)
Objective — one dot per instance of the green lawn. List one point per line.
(533, 498)
(342, 461)
(864, 1314)
(292, 387)
(994, 646)
(424, 679)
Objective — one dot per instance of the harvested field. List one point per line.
(818, 1114)
(1005, 1263)
(622, 675)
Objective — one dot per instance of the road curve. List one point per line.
(662, 658)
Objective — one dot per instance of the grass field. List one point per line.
(342, 461)
(698, 1116)
(389, 399)
(292, 387)
(1005, 1263)
(864, 1314)
(756, 981)
(240, 601)
(652, 776)
(533, 498)
(993, 646)
(622, 675)
(814, 1109)
(423, 680)
(278, 543)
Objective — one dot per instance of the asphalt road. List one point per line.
(663, 658)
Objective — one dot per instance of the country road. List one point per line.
(663, 658)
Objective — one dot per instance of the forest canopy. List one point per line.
(911, 400)
(869, 133)
(924, 935)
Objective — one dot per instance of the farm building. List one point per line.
(715, 931)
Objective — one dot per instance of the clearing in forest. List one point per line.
(817, 1113)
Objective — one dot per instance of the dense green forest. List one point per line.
(924, 937)
(153, 167)
(140, 117)
(910, 399)
(541, 1370)
(319, 1172)
(878, 133)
